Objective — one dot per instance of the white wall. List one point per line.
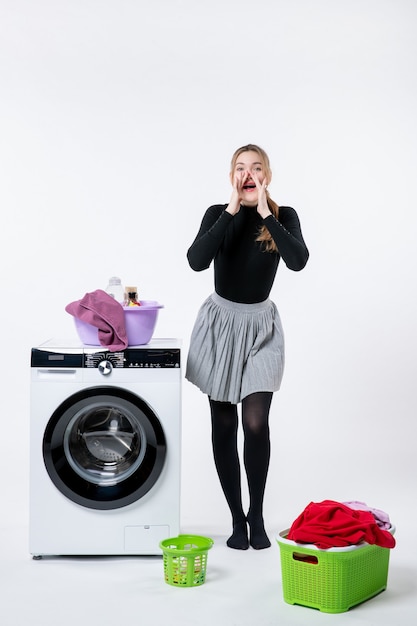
(118, 120)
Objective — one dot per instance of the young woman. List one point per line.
(236, 350)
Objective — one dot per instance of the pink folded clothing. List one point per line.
(99, 309)
(330, 524)
(381, 518)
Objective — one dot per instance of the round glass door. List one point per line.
(104, 447)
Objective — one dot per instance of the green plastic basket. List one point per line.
(185, 560)
(332, 580)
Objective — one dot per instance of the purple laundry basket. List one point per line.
(140, 322)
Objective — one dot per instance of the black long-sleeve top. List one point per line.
(243, 270)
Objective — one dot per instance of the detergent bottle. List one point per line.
(115, 289)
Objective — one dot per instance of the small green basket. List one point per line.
(332, 580)
(185, 560)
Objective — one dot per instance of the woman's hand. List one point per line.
(236, 197)
(262, 208)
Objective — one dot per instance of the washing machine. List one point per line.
(105, 435)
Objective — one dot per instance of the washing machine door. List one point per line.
(104, 448)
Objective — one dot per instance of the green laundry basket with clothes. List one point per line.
(185, 560)
(332, 580)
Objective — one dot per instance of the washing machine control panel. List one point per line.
(140, 358)
(105, 361)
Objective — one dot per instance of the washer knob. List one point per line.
(105, 367)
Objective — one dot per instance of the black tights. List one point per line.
(256, 454)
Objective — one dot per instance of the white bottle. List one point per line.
(115, 289)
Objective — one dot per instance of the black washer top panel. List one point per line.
(155, 358)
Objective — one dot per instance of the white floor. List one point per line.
(241, 588)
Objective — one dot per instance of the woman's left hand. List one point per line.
(262, 207)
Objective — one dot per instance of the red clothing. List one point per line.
(330, 524)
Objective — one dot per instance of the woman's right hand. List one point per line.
(234, 203)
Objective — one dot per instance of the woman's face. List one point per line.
(249, 165)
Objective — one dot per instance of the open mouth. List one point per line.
(249, 186)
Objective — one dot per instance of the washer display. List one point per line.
(105, 448)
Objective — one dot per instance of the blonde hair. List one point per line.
(264, 236)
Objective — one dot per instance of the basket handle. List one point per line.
(305, 558)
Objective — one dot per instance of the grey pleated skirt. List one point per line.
(236, 349)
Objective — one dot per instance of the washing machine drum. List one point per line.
(104, 447)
